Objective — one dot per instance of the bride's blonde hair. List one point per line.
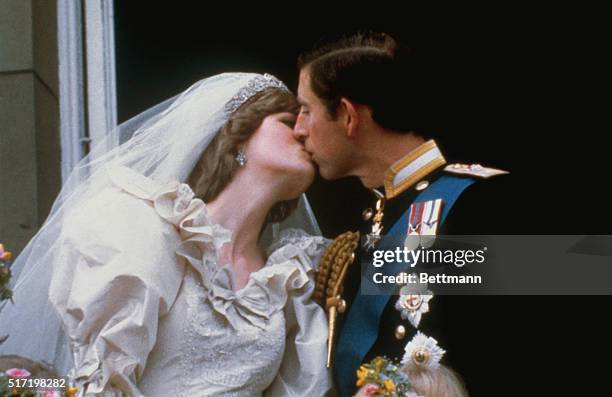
(217, 164)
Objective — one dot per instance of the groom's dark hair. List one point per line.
(371, 69)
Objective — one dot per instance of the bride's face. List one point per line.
(275, 148)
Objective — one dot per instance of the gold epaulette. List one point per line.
(330, 278)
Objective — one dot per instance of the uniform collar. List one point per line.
(411, 168)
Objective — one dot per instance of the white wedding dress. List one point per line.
(158, 317)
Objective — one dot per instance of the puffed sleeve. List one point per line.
(116, 273)
(302, 371)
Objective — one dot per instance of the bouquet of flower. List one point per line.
(14, 383)
(5, 277)
(382, 377)
(5, 273)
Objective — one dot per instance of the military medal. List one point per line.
(423, 352)
(371, 241)
(412, 306)
(423, 221)
(374, 236)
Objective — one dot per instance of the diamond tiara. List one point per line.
(254, 86)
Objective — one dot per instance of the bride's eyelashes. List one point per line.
(289, 122)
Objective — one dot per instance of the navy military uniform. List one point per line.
(371, 325)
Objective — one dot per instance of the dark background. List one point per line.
(523, 90)
(520, 92)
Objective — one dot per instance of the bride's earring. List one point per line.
(241, 157)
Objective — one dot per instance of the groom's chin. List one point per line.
(369, 183)
(327, 173)
(331, 173)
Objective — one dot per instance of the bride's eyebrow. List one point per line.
(288, 116)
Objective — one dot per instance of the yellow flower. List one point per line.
(362, 372)
(378, 363)
(5, 255)
(389, 385)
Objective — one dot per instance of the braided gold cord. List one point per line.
(337, 256)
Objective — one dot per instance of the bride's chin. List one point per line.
(309, 176)
(304, 170)
(298, 183)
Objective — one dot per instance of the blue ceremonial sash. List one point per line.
(362, 322)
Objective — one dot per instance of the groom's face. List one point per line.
(325, 138)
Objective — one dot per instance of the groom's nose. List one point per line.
(299, 131)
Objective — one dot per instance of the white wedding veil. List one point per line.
(163, 143)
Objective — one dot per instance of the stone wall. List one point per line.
(30, 156)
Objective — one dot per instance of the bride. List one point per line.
(152, 255)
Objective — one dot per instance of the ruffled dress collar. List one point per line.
(288, 267)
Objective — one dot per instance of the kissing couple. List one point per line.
(180, 256)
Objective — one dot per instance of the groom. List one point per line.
(364, 112)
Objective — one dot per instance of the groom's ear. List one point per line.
(350, 117)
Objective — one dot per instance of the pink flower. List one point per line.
(50, 393)
(17, 373)
(370, 390)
